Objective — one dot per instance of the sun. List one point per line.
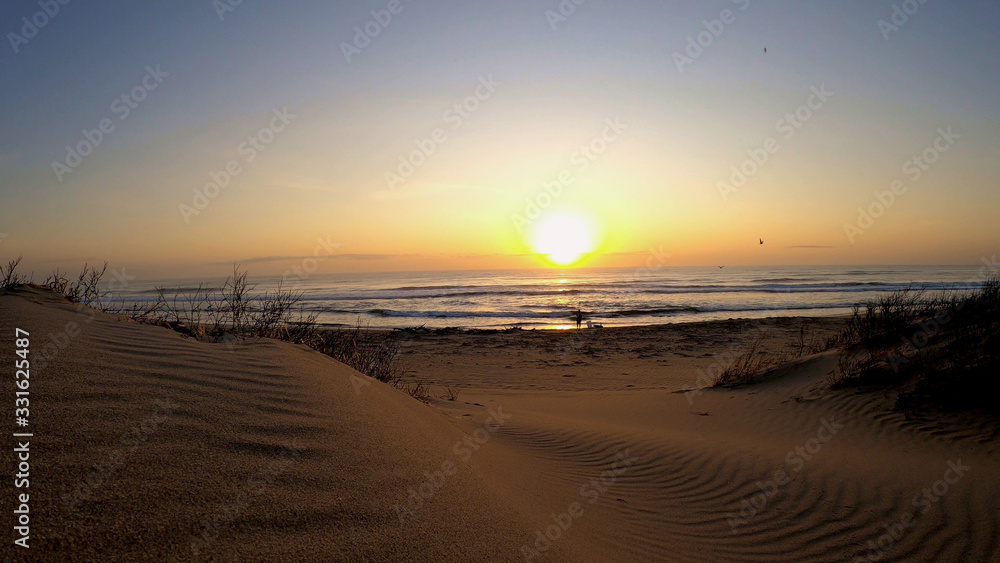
(563, 239)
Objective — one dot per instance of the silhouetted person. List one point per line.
(579, 318)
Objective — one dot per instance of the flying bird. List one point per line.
(721, 267)
(762, 241)
(765, 49)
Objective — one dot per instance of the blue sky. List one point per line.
(324, 176)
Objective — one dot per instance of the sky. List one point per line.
(407, 135)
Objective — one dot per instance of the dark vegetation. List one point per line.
(9, 275)
(942, 352)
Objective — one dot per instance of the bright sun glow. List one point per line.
(563, 239)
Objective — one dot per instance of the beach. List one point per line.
(548, 281)
(589, 445)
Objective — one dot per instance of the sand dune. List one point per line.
(152, 446)
(705, 483)
(259, 452)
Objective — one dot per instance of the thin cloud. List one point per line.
(262, 259)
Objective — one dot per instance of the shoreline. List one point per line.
(570, 327)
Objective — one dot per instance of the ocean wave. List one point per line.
(843, 287)
(469, 314)
(772, 308)
(381, 295)
(564, 314)
(496, 299)
(179, 290)
(650, 312)
(783, 280)
(425, 287)
(837, 287)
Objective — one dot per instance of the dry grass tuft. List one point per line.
(947, 349)
(748, 365)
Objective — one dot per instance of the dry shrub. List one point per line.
(418, 391)
(9, 276)
(371, 352)
(451, 394)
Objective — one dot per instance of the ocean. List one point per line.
(611, 297)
